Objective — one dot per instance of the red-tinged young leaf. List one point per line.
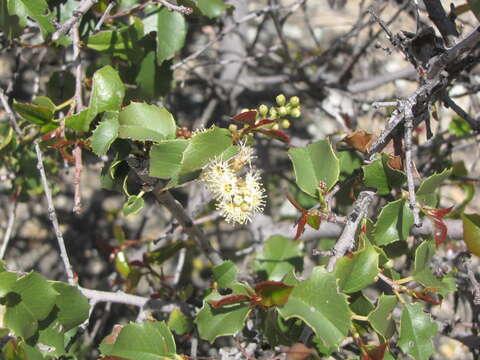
(295, 203)
(276, 134)
(264, 122)
(228, 300)
(314, 221)
(273, 293)
(425, 297)
(377, 353)
(247, 117)
(440, 228)
(360, 140)
(301, 226)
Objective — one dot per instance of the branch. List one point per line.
(462, 113)
(104, 15)
(409, 169)
(444, 24)
(53, 216)
(179, 8)
(11, 116)
(347, 238)
(9, 229)
(84, 6)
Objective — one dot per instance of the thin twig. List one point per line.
(77, 155)
(109, 8)
(11, 116)
(53, 216)
(409, 168)
(179, 8)
(444, 24)
(474, 124)
(84, 6)
(8, 231)
(347, 238)
(78, 68)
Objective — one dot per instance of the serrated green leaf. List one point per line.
(416, 332)
(150, 340)
(227, 320)
(393, 223)
(279, 256)
(73, 306)
(36, 114)
(122, 43)
(278, 331)
(178, 322)
(355, 273)
(381, 318)
(471, 232)
(105, 133)
(166, 158)
(426, 191)
(319, 304)
(225, 274)
(313, 165)
(171, 31)
(381, 176)
(34, 9)
(133, 205)
(360, 304)
(424, 275)
(140, 121)
(212, 8)
(30, 299)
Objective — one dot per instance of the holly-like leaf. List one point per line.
(33, 9)
(140, 121)
(212, 8)
(273, 293)
(279, 256)
(358, 271)
(150, 340)
(318, 303)
(471, 232)
(105, 133)
(381, 318)
(393, 223)
(426, 191)
(424, 275)
(178, 322)
(225, 274)
(36, 114)
(30, 299)
(226, 320)
(381, 176)
(416, 332)
(314, 165)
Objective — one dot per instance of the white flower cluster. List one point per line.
(238, 197)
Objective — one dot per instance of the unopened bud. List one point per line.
(295, 113)
(285, 124)
(263, 110)
(275, 127)
(232, 128)
(281, 100)
(273, 113)
(282, 111)
(294, 101)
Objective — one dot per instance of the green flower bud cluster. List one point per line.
(278, 113)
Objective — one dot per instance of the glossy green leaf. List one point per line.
(140, 121)
(133, 205)
(426, 191)
(381, 176)
(178, 322)
(154, 79)
(171, 31)
(393, 223)
(318, 303)
(73, 306)
(166, 158)
(381, 318)
(150, 340)
(424, 275)
(273, 293)
(122, 43)
(356, 272)
(105, 133)
(225, 274)
(164, 253)
(313, 165)
(212, 8)
(278, 331)
(7, 280)
(360, 304)
(31, 298)
(471, 232)
(416, 332)
(36, 114)
(279, 256)
(9, 24)
(34, 9)
(226, 320)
